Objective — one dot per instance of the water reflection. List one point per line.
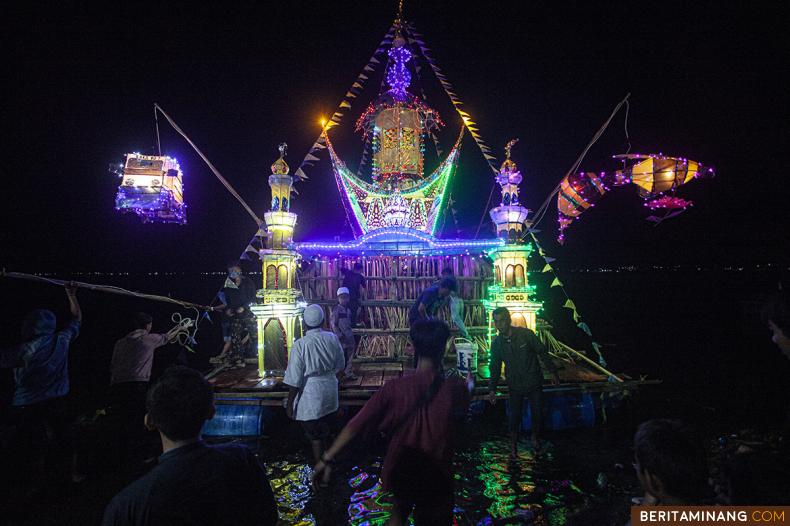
(490, 490)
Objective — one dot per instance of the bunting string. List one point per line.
(450, 91)
(569, 304)
(356, 87)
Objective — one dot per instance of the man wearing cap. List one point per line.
(311, 377)
(341, 323)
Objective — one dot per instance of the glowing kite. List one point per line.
(152, 188)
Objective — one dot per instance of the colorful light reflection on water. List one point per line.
(490, 490)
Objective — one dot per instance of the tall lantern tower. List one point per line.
(278, 314)
(511, 288)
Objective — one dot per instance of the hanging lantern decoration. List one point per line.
(657, 178)
(152, 188)
(578, 192)
(656, 174)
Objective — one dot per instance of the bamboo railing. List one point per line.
(393, 284)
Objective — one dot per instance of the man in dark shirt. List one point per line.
(194, 483)
(431, 299)
(353, 280)
(521, 352)
(236, 295)
(418, 413)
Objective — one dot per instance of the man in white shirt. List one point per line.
(311, 377)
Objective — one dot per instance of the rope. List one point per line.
(625, 126)
(224, 181)
(485, 210)
(187, 329)
(156, 123)
(541, 212)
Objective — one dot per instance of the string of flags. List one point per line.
(356, 87)
(457, 104)
(254, 246)
(569, 304)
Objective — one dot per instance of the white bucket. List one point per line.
(466, 352)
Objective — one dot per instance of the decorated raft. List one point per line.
(394, 216)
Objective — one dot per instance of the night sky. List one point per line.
(80, 84)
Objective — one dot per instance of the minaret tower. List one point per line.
(279, 313)
(509, 216)
(511, 288)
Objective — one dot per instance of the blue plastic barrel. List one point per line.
(238, 421)
(562, 411)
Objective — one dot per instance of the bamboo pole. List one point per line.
(591, 362)
(103, 288)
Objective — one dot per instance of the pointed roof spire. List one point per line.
(280, 167)
(509, 165)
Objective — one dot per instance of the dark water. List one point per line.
(697, 331)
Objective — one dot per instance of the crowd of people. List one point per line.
(196, 483)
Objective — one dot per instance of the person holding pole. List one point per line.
(41, 378)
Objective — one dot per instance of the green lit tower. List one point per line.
(511, 288)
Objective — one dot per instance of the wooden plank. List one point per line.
(372, 379)
(380, 366)
(351, 383)
(391, 375)
(248, 383)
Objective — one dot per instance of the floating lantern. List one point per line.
(152, 188)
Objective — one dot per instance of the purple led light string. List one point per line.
(398, 76)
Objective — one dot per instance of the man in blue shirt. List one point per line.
(193, 483)
(433, 297)
(41, 377)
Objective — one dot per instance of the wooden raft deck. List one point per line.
(242, 386)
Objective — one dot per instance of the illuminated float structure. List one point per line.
(152, 187)
(395, 216)
(395, 219)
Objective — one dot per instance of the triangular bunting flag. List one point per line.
(547, 268)
(374, 60)
(569, 304)
(556, 283)
(345, 104)
(311, 157)
(548, 259)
